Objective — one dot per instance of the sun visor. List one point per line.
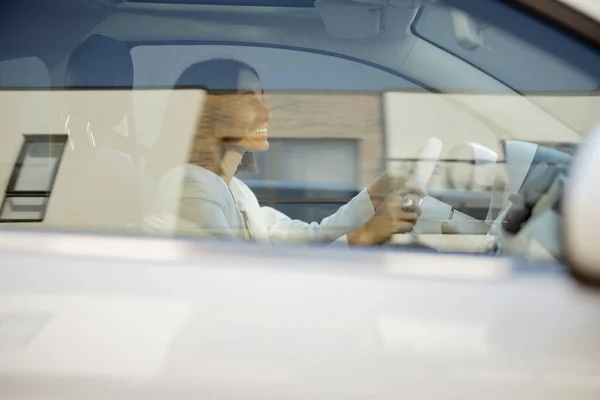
(359, 19)
(348, 20)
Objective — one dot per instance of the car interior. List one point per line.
(356, 88)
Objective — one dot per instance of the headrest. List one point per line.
(24, 72)
(100, 61)
(475, 167)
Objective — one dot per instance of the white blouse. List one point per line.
(192, 201)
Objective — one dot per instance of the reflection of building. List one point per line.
(324, 138)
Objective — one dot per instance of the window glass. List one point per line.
(23, 209)
(302, 161)
(536, 71)
(33, 173)
(38, 168)
(279, 69)
(330, 116)
(24, 72)
(307, 179)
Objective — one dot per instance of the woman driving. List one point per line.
(233, 124)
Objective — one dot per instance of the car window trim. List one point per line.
(569, 18)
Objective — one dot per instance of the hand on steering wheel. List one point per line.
(417, 175)
(397, 195)
(414, 188)
(397, 213)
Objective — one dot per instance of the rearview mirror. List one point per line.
(468, 31)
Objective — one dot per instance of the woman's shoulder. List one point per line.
(191, 174)
(191, 179)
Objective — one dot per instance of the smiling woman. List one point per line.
(231, 126)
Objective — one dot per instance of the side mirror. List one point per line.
(581, 211)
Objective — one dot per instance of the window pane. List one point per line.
(23, 209)
(279, 70)
(535, 71)
(338, 102)
(310, 161)
(39, 166)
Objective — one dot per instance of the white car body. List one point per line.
(113, 317)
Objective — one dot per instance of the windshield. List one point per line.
(329, 123)
(495, 50)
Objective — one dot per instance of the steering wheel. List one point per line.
(427, 160)
(421, 174)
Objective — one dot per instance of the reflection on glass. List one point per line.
(24, 209)
(39, 166)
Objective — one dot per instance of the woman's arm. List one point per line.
(369, 218)
(351, 216)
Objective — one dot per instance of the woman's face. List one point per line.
(245, 115)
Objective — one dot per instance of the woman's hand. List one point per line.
(390, 217)
(389, 180)
(379, 189)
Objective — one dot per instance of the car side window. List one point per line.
(331, 115)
